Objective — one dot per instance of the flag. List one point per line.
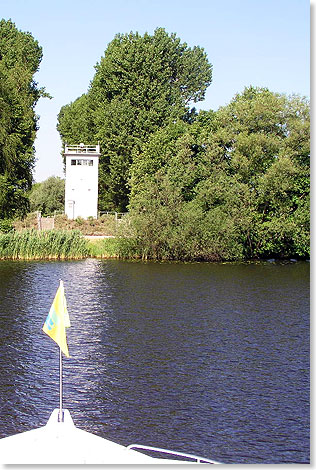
(58, 320)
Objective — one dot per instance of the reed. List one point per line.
(50, 244)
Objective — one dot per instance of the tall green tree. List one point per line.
(48, 196)
(233, 185)
(141, 84)
(76, 121)
(266, 143)
(20, 56)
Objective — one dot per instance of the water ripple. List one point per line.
(204, 358)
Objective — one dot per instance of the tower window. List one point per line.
(80, 161)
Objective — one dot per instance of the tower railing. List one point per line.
(82, 149)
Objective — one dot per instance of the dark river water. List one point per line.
(210, 359)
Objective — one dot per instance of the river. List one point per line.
(211, 359)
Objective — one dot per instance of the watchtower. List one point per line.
(81, 189)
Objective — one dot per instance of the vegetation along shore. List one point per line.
(224, 185)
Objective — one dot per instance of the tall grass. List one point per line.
(50, 244)
(123, 248)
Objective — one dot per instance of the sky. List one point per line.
(263, 43)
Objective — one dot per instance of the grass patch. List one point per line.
(62, 245)
(50, 244)
(122, 248)
(104, 248)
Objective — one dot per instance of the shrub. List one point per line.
(6, 225)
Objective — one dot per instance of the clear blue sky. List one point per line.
(249, 42)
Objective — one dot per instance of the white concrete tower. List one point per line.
(81, 190)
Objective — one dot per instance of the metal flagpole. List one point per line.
(60, 414)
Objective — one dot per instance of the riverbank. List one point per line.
(49, 244)
(105, 225)
(62, 245)
(72, 244)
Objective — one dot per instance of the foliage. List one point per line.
(13, 197)
(141, 84)
(6, 226)
(104, 225)
(50, 244)
(124, 248)
(48, 196)
(76, 121)
(20, 56)
(232, 185)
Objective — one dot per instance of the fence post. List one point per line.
(39, 220)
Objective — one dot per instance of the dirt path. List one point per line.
(98, 237)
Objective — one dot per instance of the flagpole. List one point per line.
(55, 326)
(60, 414)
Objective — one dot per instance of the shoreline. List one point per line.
(73, 245)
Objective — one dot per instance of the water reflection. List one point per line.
(204, 358)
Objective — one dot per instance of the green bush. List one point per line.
(6, 226)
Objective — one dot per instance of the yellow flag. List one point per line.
(58, 320)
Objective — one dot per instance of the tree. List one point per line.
(141, 84)
(20, 56)
(232, 185)
(265, 139)
(76, 121)
(48, 196)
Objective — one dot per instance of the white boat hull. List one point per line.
(64, 443)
